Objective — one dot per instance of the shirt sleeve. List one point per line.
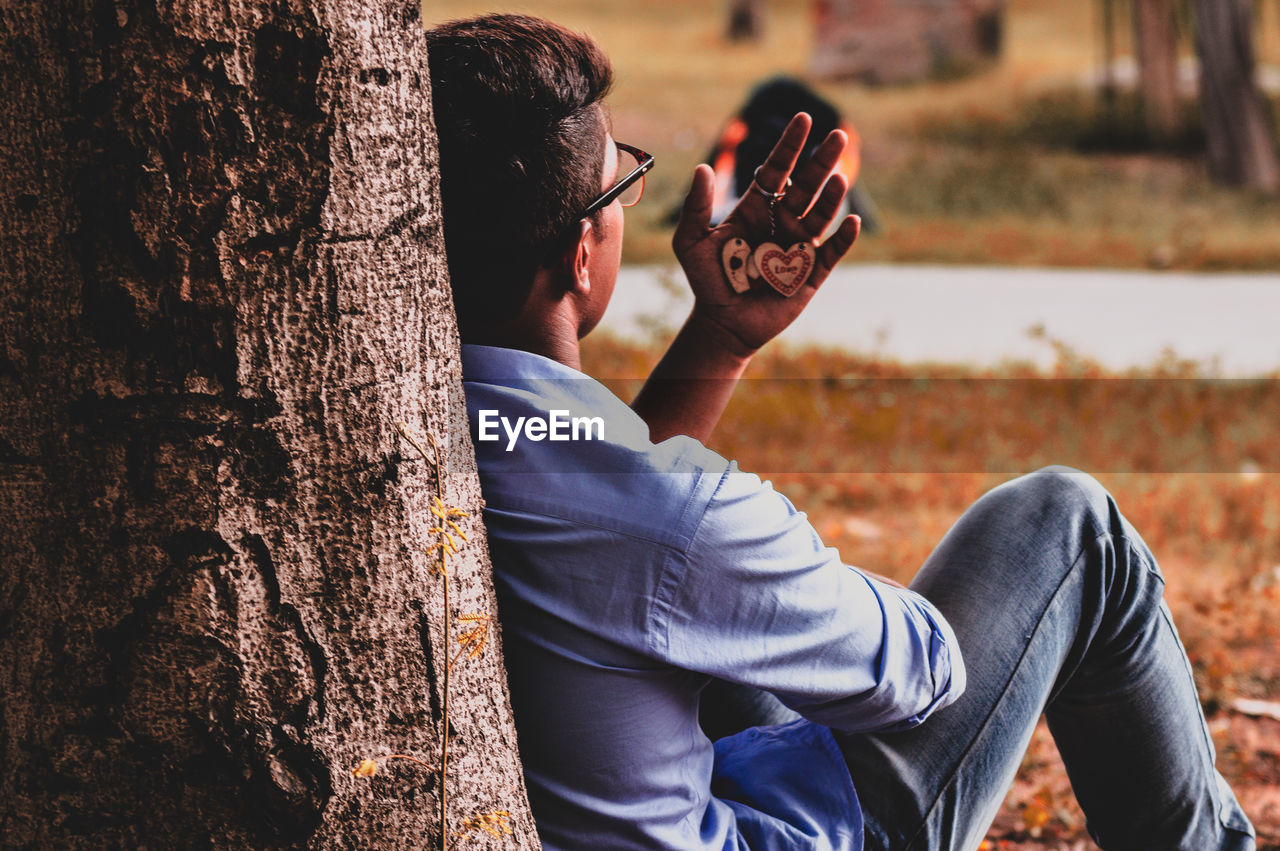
(759, 600)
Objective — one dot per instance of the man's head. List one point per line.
(522, 148)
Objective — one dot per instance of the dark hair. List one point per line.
(516, 102)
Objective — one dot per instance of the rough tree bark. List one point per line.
(746, 20)
(222, 285)
(1238, 126)
(1156, 37)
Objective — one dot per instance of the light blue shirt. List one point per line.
(630, 573)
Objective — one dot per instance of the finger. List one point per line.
(695, 214)
(776, 168)
(836, 247)
(826, 208)
(810, 177)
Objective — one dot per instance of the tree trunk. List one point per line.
(1238, 127)
(1107, 84)
(1156, 36)
(746, 20)
(223, 284)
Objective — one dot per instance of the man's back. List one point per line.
(580, 537)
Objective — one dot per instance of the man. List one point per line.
(635, 568)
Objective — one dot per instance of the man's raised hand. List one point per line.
(748, 320)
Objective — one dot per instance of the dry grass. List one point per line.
(885, 458)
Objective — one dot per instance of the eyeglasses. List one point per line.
(627, 191)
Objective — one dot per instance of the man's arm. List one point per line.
(690, 387)
(758, 600)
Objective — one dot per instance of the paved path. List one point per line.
(982, 316)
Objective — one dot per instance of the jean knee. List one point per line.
(1026, 531)
(1062, 510)
(1061, 482)
(1068, 494)
(1125, 571)
(1071, 489)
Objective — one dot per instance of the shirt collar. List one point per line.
(513, 373)
(491, 364)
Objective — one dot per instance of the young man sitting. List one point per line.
(637, 570)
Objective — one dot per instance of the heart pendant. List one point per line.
(735, 256)
(785, 271)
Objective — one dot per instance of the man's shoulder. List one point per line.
(550, 440)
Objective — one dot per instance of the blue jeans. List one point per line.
(1057, 604)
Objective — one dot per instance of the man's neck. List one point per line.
(555, 340)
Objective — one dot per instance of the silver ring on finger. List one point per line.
(774, 197)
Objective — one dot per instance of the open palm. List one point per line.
(804, 214)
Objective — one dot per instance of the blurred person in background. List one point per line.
(751, 133)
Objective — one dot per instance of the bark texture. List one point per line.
(1238, 125)
(1156, 36)
(222, 284)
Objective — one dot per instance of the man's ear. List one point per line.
(574, 261)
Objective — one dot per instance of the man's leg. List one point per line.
(1057, 605)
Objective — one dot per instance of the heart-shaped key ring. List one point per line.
(786, 270)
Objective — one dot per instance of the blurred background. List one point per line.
(1076, 260)
(1035, 154)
